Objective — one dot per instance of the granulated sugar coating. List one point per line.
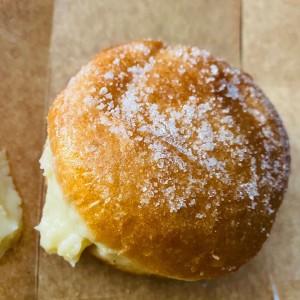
(172, 157)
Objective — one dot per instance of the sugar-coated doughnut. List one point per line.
(172, 162)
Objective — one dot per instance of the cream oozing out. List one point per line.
(62, 230)
(10, 210)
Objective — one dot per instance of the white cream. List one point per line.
(10, 210)
(63, 231)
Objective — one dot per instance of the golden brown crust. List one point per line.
(172, 157)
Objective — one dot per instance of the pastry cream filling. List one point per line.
(62, 229)
(10, 210)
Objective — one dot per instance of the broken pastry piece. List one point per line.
(165, 161)
(10, 210)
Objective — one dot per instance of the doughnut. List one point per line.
(162, 160)
(10, 210)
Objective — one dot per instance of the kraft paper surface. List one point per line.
(44, 43)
